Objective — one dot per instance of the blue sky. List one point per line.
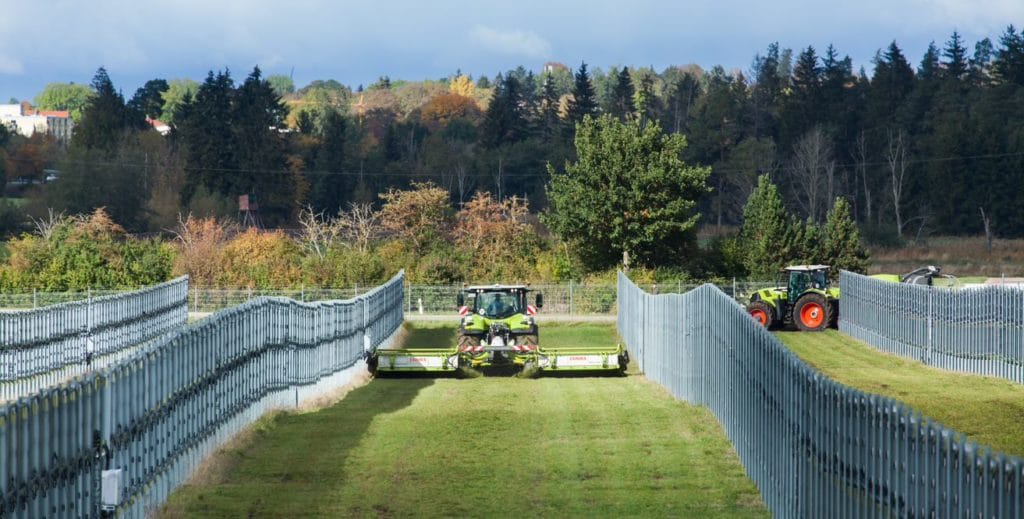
(42, 41)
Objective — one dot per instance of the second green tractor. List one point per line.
(802, 297)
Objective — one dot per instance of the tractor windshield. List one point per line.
(497, 305)
(799, 281)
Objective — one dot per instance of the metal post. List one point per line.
(570, 297)
(928, 348)
(34, 302)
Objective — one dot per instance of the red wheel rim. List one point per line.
(760, 315)
(812, 315)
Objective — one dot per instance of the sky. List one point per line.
(43, 41)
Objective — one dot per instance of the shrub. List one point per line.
(260, 259)
(84, 252)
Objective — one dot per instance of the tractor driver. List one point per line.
(498, 305)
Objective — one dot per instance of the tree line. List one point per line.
(916, 150)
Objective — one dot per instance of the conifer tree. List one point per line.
(505, 120)
(105, 116)
(1009, 60)
(204, 131)
(765, 231)
(645, 100)
(841, 247)
(766, 94)
(929, 67)
(682, 96)
(584, 101)
(955, 66)
(549, 119)
(148, 99)
(621, 103)
(261, 152)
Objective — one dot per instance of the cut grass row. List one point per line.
(492, 446)
(988, 410)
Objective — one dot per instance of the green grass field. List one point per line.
(988, 410)
(483, 447)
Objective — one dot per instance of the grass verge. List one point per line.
(988, 410)
(483, 447)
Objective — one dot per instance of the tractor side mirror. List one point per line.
(460, 300)
(540, 300)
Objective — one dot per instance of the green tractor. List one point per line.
(802, 297)
(497, 326)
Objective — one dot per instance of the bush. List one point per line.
(260, 259)
(344, 267)
(84, 252)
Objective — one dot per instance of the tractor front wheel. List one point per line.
(761, 313)
(811, 313)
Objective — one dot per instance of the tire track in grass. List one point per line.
(487, 447)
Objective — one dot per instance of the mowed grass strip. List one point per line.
(988, 410)
(483, 447)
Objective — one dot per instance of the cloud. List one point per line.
(982, 16)
(520, 43)
(10, 66)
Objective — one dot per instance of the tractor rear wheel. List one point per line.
(761, 313)
(811, 313)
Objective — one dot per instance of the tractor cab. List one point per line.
(497, 325)
(497, 301)
(798, 279)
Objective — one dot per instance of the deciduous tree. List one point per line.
(628, 192)
(64, 96)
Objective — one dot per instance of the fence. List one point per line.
(570, 298)
(814, 447)
(155, 415)
(976, 330)
(566, 298)
(42, 347)
(39, 298)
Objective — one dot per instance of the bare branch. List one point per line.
(896, 157)
(46, 226)
(319, 232)
(359, 225)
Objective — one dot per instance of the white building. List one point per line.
(27, 121)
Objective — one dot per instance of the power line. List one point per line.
(927, 160)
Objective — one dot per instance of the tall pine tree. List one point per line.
(583, 101)
(261, 150)
(621, 102)
(505, 121)
(203, 128)
(105, 118)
